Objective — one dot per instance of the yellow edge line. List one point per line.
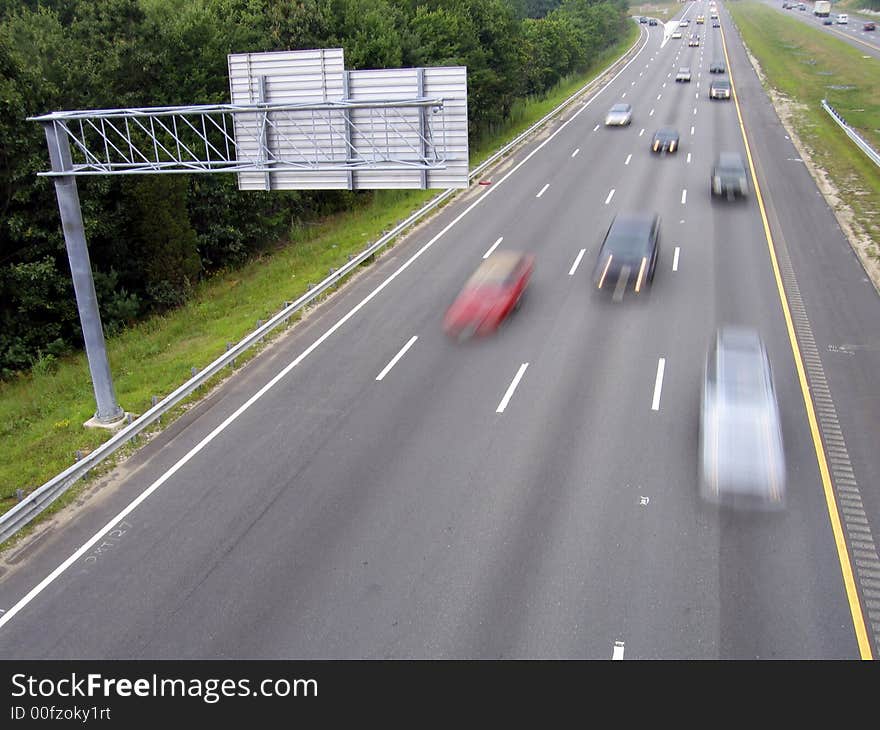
(842, 552)
(857, 40)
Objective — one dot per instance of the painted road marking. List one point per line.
(846, 567)
(641, 133)
(574, 154)
(576, 262)
(195, 450)
(651, 114)
(689, 158)
(628, 158)
(692, 130)
(543, 190)
(658, 384)
(493, 247)
(610, 195)
(512, 387)
(618, 650)
(397, 357)
(675, 259)
(596, 127)
(684, 196)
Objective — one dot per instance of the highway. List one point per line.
(356, 493)
(852, 32)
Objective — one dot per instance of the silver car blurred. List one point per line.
(618, 115)
(742, 461)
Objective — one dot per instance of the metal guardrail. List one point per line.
(38, 500)
(852, 134)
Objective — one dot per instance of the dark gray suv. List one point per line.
(729, 177)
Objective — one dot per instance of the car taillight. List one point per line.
(641, 274)
(605, 271)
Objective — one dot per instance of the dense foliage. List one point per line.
(152, 237)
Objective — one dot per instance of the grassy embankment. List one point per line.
(663, 11)
(802, 66)
(41, 413)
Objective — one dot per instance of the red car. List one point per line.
(869, 26)
(492, 292)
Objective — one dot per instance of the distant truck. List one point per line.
(822, 9)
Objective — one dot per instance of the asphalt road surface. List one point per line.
(529, 495)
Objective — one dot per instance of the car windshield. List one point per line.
(684, 70)
(620, 108)
(721, 84)
(742, 377)
(627, 238)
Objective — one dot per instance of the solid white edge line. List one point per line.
(493, 247)
(397, 357)
(41, 586)
(658, 384)
(675, 259)
(543, 190)
(576, 262)
(610, 195)
(628, 158)
(512, 387)
(618, 651)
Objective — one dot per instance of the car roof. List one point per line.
(684, 68)
(496, 268)
(721, 82)
(630, 230)
(742, 363)
(621, 108)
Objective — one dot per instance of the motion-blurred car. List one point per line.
(492, 292)
(643, 19)
(716, 23)
(683, 75)
(618, 115)
(719, 89)
(694, 40)
(683, 23)
(701, 19)
(652, 21)
(741, 455)
(676, 34)
(665, 140)
(827, 21)
(869, 26)
(628, 255)
(717, 67)
(729, 177)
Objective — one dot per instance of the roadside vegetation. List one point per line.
(800, 66)
(663, 11)
(42, 410)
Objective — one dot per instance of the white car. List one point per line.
(843, 19)
(676, 34)
(683, 75)
(742, 458)
(619, 115)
